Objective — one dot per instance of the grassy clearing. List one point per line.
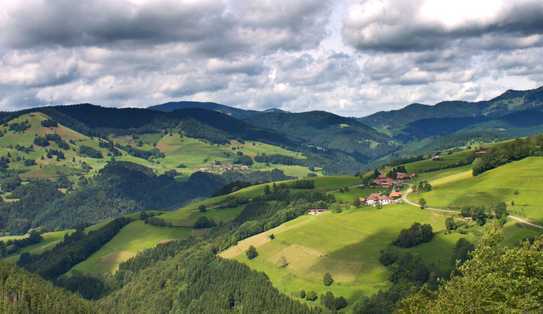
(518, 184)
(50, 239)
(446, 160)
(345, 244)
(186, 216)
(132, 239)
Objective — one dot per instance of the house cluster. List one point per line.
(376, 199)
(221, 168)
(399, 179)
(316, 211)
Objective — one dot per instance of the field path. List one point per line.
(515, 218)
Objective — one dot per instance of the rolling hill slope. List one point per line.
(512, 114)
(518, 184)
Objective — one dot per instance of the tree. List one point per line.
(388, 256)
(450, 224)
(311, 296)
(251, 252)
(272, 236)
(328, 300)
(301, 294)
(340, 303)
(357, 203)
(415, 235)
(497, 279)
(327, 279)
(500, 210)
(462, 251)
(422, 203)
(202, 208)
(203, 222)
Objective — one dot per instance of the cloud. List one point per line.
(396, 25)
(349, 57)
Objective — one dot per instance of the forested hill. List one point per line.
(322, 130)
(477, 117)
(23, 292)
(323, 137)
(231, 111)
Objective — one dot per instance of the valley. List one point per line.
(183, 191)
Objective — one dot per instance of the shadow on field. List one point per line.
(349, 262)
(514, 234)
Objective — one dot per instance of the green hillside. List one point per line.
(518, 184)
(131, 240)
(159, 151)
(345, 244)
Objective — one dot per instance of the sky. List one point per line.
(349, 57)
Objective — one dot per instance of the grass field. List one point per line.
(345, 244)
(132, 239)
(50, 239)
(187, 215)
(519, 184)
(431, 165)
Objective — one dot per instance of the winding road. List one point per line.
(406, 200)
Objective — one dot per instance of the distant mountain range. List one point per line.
(416, 128)
(337, 144)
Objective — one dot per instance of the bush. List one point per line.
(203, 222)
(48, 123)
(462, 251)
(29, 162)
(450, 224)
(332, 303)
(251, 252)
(327, 279)
(19, 127)
(500, 210)
(388, 256)
(243, 160)
(303, 184)
(89, 152)
(41, 141)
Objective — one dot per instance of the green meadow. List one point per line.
(346, 244)
(187, 215)
(132, 239)
(519, 184)
(50, 239)
(445, 160)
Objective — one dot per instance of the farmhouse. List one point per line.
(379, 199)
(384, 181)
(316, 211)
(402, 176)
(395, 195)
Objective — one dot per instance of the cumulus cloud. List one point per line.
(394, 26)
(350, 57)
